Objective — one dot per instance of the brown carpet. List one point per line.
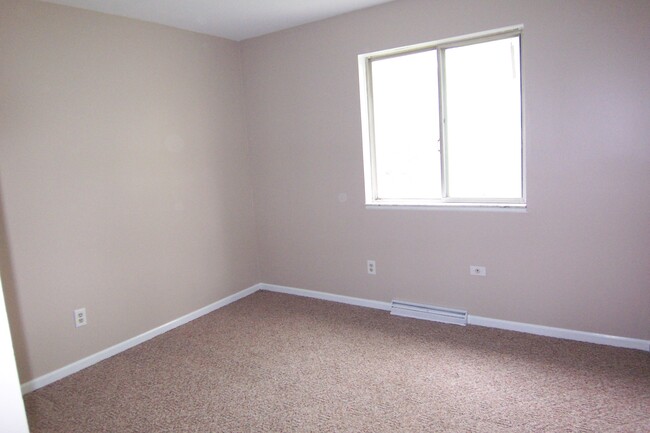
(279, 363)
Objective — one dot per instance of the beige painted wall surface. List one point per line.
(124, 175)
(578, 258)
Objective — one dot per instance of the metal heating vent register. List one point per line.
(428, 312)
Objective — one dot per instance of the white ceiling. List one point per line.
(231, 19)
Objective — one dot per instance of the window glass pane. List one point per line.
(483, 96)
(406, 126)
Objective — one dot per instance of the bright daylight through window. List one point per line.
(443, 122)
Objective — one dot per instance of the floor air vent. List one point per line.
(428, 312)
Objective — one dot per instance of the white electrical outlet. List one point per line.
(372, 267)
(80, 318)
(477, 271)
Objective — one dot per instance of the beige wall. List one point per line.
(579, 258)
(124, 176)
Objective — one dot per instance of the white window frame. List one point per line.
(365, 87)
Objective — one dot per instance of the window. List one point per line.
(443, 124)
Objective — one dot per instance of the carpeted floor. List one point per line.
(278, 363)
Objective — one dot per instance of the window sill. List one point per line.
(481, 207)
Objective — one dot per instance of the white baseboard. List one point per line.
(567, 334)
(378, 305)
(69, 369)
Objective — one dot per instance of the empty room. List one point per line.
(325, 215)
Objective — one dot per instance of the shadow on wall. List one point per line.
(11, 299)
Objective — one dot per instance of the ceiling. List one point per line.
(231, 19)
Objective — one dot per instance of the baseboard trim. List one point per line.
(378, 305)
(76, 366)
(567, 334)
